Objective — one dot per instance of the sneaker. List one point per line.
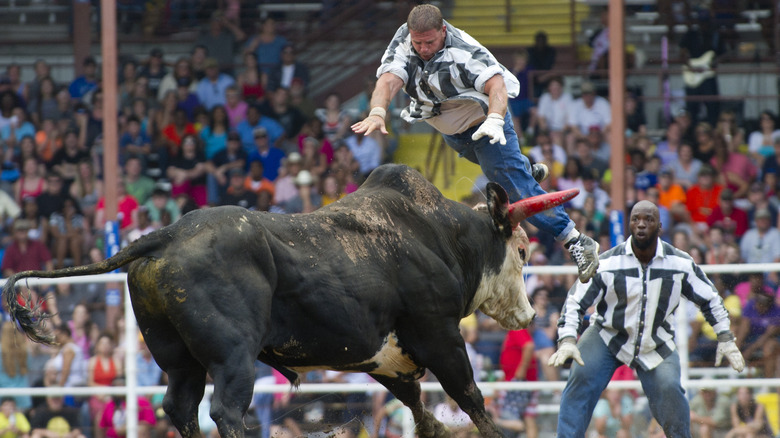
(540, 172)
(585, 252)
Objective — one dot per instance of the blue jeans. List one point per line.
(662, 387)
(506, 165)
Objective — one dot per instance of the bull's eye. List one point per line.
(521, 251)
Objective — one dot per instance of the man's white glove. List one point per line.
(493, 127)
(567, 349)
(727, 347)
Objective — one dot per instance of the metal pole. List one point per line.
(110, 135)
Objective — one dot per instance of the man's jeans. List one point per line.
(666, 396)
(506, 165)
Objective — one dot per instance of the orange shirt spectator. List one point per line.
(703, 196)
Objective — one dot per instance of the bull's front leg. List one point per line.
(409, 394)
(457, 379)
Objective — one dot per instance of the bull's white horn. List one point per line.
(528, 207)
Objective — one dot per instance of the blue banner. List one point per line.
(112, 239)
(616, 230)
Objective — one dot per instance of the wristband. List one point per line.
(378, 111)
(726, 336)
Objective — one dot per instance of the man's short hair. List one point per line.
(424, 18)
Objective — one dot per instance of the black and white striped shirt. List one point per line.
(635, 306)
(458, 71)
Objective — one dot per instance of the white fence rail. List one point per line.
(131, 390)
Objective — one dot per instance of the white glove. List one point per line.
(493, 127)
(730, 350)
(567, 349)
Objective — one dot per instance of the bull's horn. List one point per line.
(526, 208)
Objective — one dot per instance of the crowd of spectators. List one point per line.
(202, 131)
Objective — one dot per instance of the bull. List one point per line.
(376, 282)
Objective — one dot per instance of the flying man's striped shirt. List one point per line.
(458, 72)
(635, 306)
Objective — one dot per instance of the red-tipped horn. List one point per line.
(526, 208)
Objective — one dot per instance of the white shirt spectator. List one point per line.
(555, 112)
(582, 117)
(559, 154)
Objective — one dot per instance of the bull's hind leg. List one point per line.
(186, 376)
(409, 394)
(234, 379)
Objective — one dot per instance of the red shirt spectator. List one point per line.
(24, 254)
(733, 220)
(518, 349)
(113, 420)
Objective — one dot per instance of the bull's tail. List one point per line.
(29, 317)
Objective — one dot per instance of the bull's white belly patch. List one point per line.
(389, 360)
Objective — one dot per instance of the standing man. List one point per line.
(458, 87)
(635, 292)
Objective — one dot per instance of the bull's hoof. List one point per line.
(430, 427)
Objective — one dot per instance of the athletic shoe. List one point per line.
(585, 252)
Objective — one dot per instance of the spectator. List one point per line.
(727, 129)
(41, 69)
(544, 328)
(102, 369)
(19, 128)
(232, 157)
(703, 341)
(331, 190)
(700, 48)
(220, 40)
(736, 171)
(572, 175)
(541, 56)
(67, 228)
(198, 57)
(126, 86)
(552, 154)
(8, 101)
(235, 106)
(748, 418)
(154, 71)
(65, 161)
(255, 182)
(758, 330)
(254, 120)
(161, 204)
(85, 83)
(278, 108)
(47, 140)
(170, 82)
(314, 160)
(588, 111)
(705, 142)
(176, 130)
(519, 365)
(133, 141)
(761, 142)
(147, 371)
(672, 197)
(13, 423)
(31, 183)
(686, 168)
(300, 101)
(56, 420)
(613, 415)
(250, 81)
(211, 89)
(188, 170)
(588, 160)
(69, 361)
(24, 254)
(668, 148)
(761, 244)
(285, 184)
(521, 106)
(271, 156)
(307, 199)
(237, 192)
(188, 99)
(335, 121)
(710, 413)
(15, 371)
(702, 197)
(366, 151)
(137, 185)
(636, 122)
(214, 135)
(730, 218)
(44, 103)
(126, 210)
(113, 421)
(268, 46)
(289, 70)
(144, 225)
(86, 189)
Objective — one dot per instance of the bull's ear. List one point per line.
(498, 207)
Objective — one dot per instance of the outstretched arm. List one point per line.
(386, 88)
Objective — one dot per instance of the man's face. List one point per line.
(645, 226)
(427, 43)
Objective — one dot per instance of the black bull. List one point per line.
(374, 283)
